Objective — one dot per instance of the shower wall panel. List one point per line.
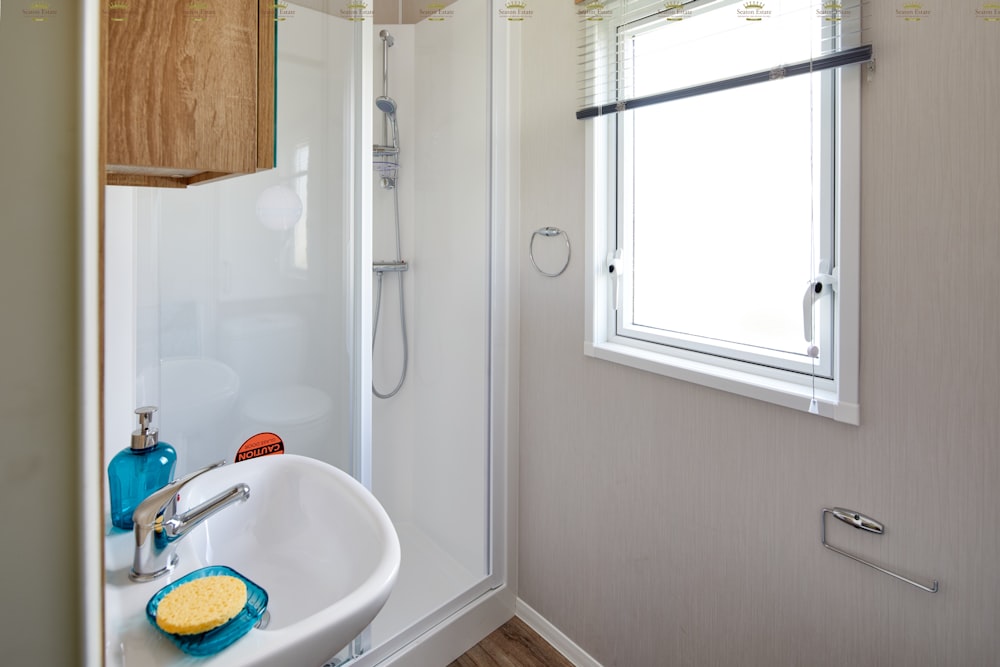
(392, 419)
(430, 441)
(451, 305)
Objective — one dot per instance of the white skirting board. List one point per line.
(553, 635)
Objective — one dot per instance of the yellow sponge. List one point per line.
(201, 604)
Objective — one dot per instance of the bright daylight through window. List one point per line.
(723, 195)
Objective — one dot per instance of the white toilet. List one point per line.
(267, 351)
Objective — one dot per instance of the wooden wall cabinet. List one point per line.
(189, 88)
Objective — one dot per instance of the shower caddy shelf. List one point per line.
(385, 161)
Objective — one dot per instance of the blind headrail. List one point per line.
(858, 54)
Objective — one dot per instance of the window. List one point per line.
(723, 217)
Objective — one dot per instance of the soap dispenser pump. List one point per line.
(138, 470)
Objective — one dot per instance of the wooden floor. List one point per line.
(513, 644)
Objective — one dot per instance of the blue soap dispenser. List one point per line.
(137, 471)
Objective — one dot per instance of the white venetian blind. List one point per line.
(685, 48)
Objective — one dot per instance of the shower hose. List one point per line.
(402, 307)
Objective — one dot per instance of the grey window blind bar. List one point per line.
(858, 54)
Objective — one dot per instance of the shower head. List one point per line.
(386, 37)
(386, 105)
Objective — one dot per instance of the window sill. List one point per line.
(785, 393)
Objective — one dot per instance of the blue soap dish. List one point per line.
(216, 639)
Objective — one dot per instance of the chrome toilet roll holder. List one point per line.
(868, 524)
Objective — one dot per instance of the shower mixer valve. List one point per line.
(388, 267)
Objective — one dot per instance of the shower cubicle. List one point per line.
(430, 247)
(350, 299)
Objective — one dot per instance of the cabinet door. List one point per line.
(182, 88)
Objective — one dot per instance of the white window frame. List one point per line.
(835, 398)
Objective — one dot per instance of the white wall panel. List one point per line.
(662, 523)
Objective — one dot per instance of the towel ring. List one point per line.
(550, 232)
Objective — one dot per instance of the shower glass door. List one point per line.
(256, 294)
(252, 323)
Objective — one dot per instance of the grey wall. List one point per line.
(663, 523)
(39, 351)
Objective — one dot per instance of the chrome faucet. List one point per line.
(158, 525)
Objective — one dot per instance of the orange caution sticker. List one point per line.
(262, 444)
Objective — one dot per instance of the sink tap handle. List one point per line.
(163, 502)
(151, 555)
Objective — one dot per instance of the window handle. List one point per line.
(818, 287)
(616, 273)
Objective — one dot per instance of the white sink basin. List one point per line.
(310, 535)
